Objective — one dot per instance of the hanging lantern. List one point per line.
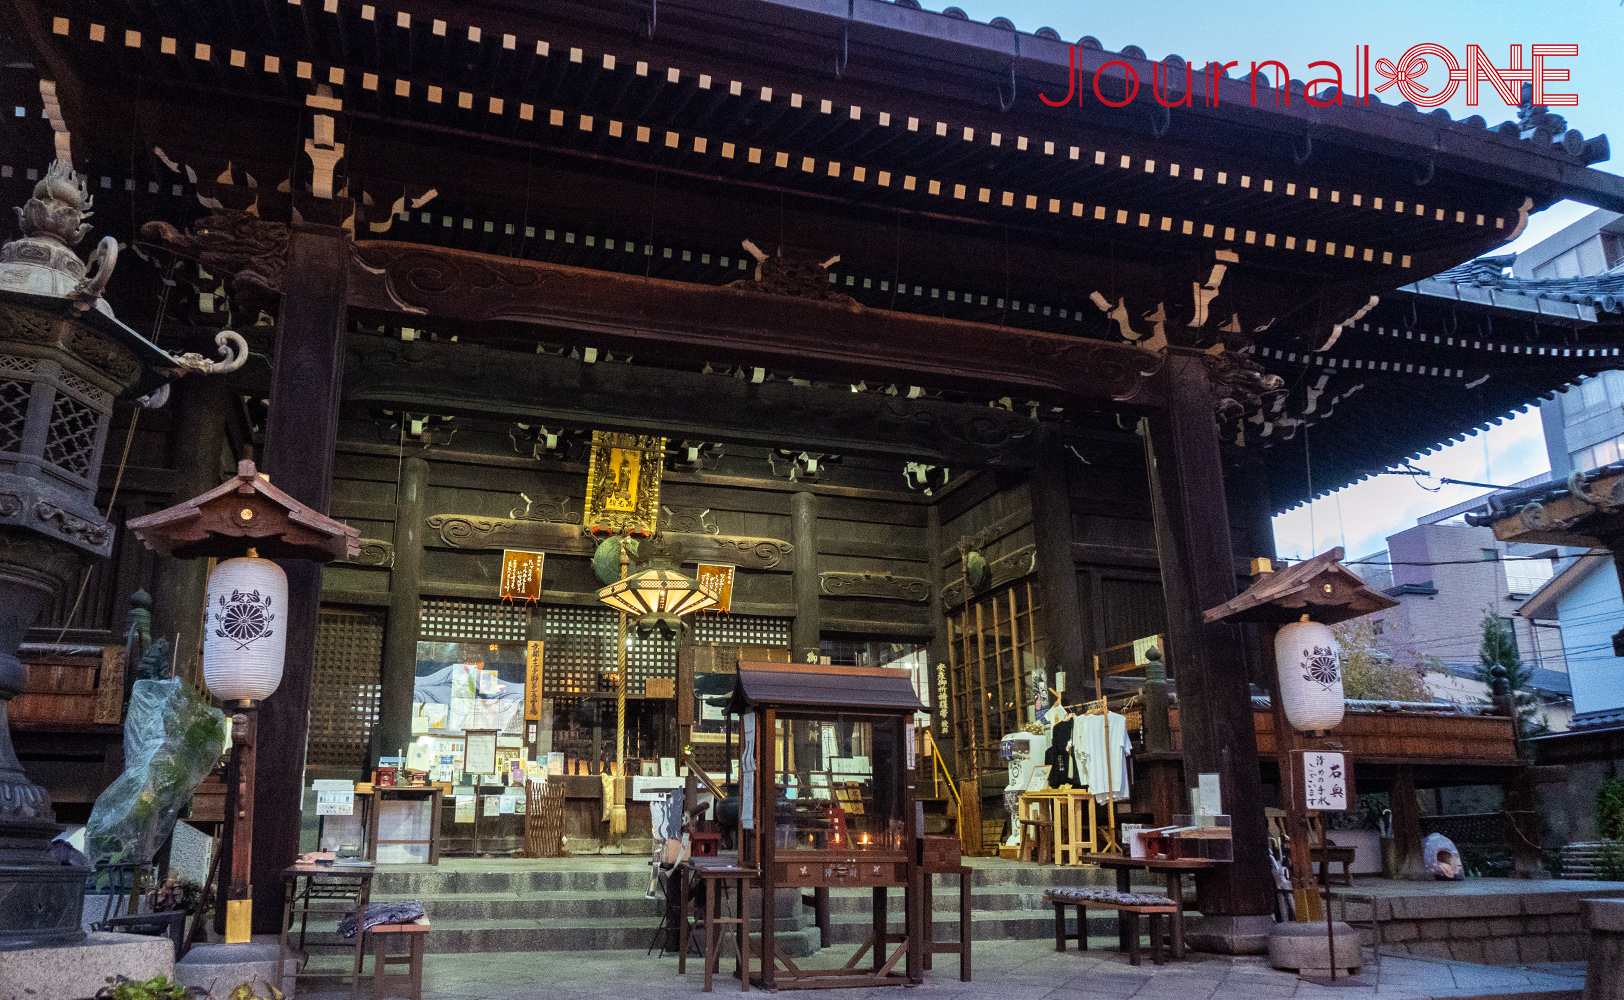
(245, 635)
(1310, 665)
(658, 596)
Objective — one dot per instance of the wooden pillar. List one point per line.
(1215, 706)
(1062, 615)
(938, 655)
(1406, 824)
(301, 430)
(178, 586)
(394, 728)
(806, 632)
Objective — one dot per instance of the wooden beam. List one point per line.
(1198, 571)
(300, 435)
(806, 631)
(444, 377)
(467, 531)
(394, 727)
(814, 338)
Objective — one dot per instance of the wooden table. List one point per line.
(1173, 868)
(1070, 804)
(432, 793)
(328, 890)
(716, 873)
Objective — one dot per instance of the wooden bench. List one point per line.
(416, 933)
(1128, 912)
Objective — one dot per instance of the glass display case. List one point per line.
(824, 759)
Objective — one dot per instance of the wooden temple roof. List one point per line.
(638, 142)
(796, 685)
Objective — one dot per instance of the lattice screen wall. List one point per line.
(345, 688)
(740, 630)
(580, 653)
(481, 621)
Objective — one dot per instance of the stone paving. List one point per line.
(1004, 970)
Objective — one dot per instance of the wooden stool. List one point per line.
(1037, 846)
(382, 979)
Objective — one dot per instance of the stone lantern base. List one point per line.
(41, 899)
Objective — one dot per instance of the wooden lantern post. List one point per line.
(245, 515)
(1328, 593)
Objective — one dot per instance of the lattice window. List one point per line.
(14, 398)
(740, 630)
(487, 621)
(995, 659)
(71, 441)
(580, 654)
(345, 688)
(83, 387)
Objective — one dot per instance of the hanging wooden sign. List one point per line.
(521, 575)
(719, 581)
(1324, 778)
(532, 681)
(623, 483)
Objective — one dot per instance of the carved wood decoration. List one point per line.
(251, 251)
(376, 553)
(814, 338)
(546, 508)
(1017, 564)
(544, 389)
(465, 531)
(623, 483)
(880, 585)
(693, 520)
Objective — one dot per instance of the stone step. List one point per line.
(422, 880)
(572, 905)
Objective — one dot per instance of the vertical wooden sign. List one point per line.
(521, 575)
(532, 681)
(1324, 780)
(719, 581)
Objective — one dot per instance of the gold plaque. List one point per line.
(623, 483)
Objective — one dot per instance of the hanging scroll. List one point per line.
(521, 575)
(623, 483)
(719, 581)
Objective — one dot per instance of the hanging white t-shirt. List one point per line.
(1102, 762)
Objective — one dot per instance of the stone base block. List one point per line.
(1604, 978)
(217, 969)
(1303, 947)
(75, 972)
(1230, 935)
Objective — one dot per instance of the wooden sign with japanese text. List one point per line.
(521, 575)
(719, 581)
(532, 680)
(1324, 778)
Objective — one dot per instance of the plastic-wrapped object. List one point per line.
(1442, 858)
(172, 739)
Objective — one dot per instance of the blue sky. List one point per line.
(1296, 33)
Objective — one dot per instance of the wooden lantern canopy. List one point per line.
(246, 522)
(827, 800)
(1319, 590)
(246, 512)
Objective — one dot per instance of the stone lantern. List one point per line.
(64, 361)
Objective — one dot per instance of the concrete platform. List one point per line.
(78, 971)
(1004, 970)
(1494, 921)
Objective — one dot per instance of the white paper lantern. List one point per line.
(245, 629)
(1310, 665)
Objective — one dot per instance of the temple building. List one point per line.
(819, 302)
